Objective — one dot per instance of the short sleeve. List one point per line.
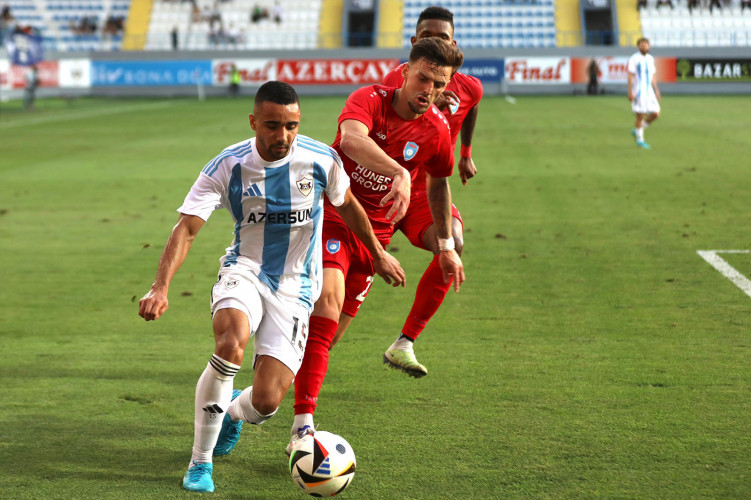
(338, 181)
(443, 160)
(362, 105)
(631, 66)
(394, 77)
(204, 197)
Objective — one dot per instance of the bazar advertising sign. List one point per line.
(47, 73)
(150, 73)
(614, 69)
(4, 74)
(75, 73)
(253, 72)
(487, 70)
(334, 71)
(713, 70)
(538, 70)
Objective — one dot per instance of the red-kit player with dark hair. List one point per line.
(383, 132)
(460, 104)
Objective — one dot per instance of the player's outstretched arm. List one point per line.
(439, 199)
(630, 86)
(356, 144)
(155, 302)
(656, 88)
(467, 168)
(385, 265)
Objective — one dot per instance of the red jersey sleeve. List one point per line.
(442, 164)
(362, 105)
(394, 77)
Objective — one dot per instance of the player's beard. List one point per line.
(417, 108)
(278, 154)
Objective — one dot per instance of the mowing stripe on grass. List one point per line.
(64, 117)
(726, 269)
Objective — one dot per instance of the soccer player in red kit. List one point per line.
(460, 104)
(382, 132)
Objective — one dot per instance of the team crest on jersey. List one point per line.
(333, 246)
(410, 150)
(305, 185)
(453, 108)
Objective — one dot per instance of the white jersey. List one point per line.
(277, 208)
(642, 67)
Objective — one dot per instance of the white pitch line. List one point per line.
(726, 269)
(64, 117)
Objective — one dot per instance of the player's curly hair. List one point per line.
(276, 92)
(437, 13)
(437, 52)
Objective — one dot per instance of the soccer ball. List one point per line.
(322, 464)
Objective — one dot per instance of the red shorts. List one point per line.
(343, 250)
(419, 219)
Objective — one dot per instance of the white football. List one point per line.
(322, 464)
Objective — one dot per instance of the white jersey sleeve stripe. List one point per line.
(239, 152)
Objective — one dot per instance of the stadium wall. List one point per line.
(338, 72)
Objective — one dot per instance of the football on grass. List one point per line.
(322, 464)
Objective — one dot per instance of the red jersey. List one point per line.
(422, 143)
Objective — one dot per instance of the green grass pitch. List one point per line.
(591, 352)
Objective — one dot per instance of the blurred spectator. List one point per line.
(744, 4)
(692, 4)
(713, 4)
(641, 4)
(113, 26)
(593, 71)
(258, 13)
(174, 35)
(6, 23)
(215, 16)
(32, 82)
(196, 13)
(233, 35)
(660, 3)
(234, 81)
(277, 12)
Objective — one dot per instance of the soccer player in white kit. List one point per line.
(270, 276)
(643, 91)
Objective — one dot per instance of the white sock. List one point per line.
(213, 395)
(301, 421)
(645, 124)
(640, 134)
(242, 409)
(402, 344)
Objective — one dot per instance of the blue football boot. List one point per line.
(198, 478)
(230, 432)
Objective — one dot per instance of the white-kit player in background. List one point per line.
(643, 91)
(270, 276)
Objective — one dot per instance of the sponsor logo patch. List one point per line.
(231, 283)
(410, 150)
(333, 246)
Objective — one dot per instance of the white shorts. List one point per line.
(645, 104)
(279, 326)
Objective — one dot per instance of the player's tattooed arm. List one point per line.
(155, 302)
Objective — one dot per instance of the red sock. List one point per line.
(310, 377)
(429, 296)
